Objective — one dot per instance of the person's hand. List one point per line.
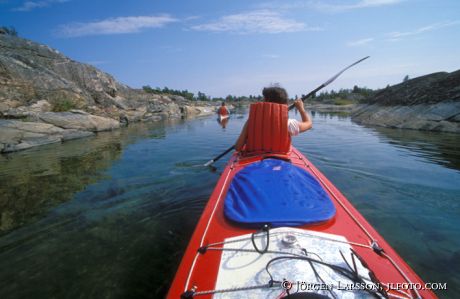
(299, 105)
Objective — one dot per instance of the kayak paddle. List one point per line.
(311, 93)
(220, 156)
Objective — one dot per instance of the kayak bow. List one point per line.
(342, 257)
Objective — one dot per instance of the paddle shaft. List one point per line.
(220, 156)
(308, 95)
(311, 93)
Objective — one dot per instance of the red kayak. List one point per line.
(223, 117)
(342, 257)
(223, 112)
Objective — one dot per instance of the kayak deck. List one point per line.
(200, 270)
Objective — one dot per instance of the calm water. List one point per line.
(109, 216)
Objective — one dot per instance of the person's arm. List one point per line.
(306, 123)
(242, 139)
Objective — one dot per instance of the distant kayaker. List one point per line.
(223, 110)
(279, 95)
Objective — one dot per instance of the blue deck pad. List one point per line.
(278, 193)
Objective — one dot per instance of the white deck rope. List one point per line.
(400, 271)
(295, 233)
(207, 227)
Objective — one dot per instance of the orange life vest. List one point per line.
(268, 129)
(222, 111)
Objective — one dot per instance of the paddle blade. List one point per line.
(209, 163)
(341, 72)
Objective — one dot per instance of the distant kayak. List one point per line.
(278, 228)
(222, 117)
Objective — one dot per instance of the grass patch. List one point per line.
(64, 105)
(342, 102)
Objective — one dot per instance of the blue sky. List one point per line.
(238, 47)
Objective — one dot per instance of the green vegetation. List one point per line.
(341, 97)
(184, 93)
(344, 96)
(8, 30)
(64, 105)
(249, 98)
(342, 102)
(201, 96)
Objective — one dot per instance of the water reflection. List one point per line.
(440, 148)
(125, 204)
(341, 115)
(33, 181)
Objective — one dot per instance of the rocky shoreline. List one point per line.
(428, 103)
(50, 127)
(440, 117)
(46, 97)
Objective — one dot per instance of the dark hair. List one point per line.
(275, 94)
(223, 103)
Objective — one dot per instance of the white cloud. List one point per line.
(31, 5)
(118, 25)
(329, 6)
(360, 42)
(396, 36)
(374, 3)
(399, 36)
(357, 5)
(260, 21)
(191, 18)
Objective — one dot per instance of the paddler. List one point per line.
(223, 110)
(276, 94)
